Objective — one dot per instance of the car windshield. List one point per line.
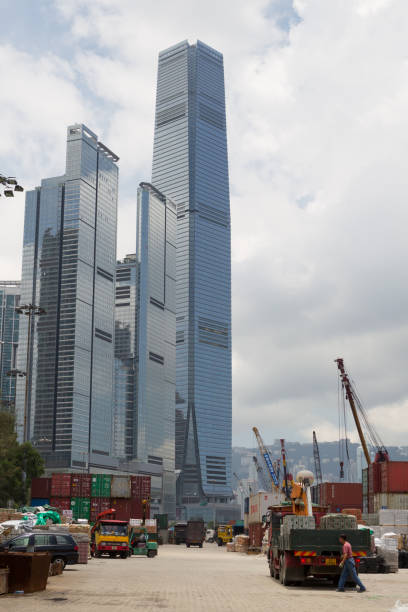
(116, 530)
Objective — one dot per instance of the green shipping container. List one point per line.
(101, 485)
(81, 508)
(162, 521)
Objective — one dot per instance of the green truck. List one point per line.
(305, 553)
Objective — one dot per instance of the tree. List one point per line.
(15, 459)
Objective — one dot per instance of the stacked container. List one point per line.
(87, 495)
(387, 486)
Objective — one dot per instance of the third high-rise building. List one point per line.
(190, 165)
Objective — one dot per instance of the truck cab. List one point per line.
(225, 534)
(110, 537)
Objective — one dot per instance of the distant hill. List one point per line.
(300, 455)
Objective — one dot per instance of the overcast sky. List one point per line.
(317, 98)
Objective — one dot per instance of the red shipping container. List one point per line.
(140, 487)
(98, 505)
(62, 503)
(41, 487)
(394, 477)
(86, 485)
(339, 495)
(123, 508)
(61, 485)
(137, 509)
(75, 485)
(374, 478)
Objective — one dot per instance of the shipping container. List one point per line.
(339, 495)
(98, 505)
(123, 509)
(120, 487)
(81, 508)
(374, 478)
(61, 503)
(101, 485)
(140, 487)
(40, 501)
(162, 520)
(364, 479)
(394, 501)
(394, 477)
(81, 485)
(256, 533)
(259, 504)
(137, 509)
(61, 485)
(41, 487)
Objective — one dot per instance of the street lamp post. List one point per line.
(8, 184)
(30, 310)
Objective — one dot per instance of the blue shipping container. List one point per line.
(39, 501)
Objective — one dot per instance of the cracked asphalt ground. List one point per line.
(197, 579)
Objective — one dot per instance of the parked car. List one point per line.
(62, 546)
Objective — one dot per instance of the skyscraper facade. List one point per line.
(190, 165)
(9, 325)
(125, 408)
(69, 259)
(145, 344)
(156, 336)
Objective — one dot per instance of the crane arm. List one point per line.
(261, 474)
(357, 409)
(266, 457)
(316, 455)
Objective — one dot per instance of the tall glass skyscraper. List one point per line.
(145, 343)
(190, 165)
(9, 324)
(69, 258)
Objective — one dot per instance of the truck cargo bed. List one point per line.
(325, 539)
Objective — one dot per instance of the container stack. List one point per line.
(84, 496)
(385, 485)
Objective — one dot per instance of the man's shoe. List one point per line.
(361, 591)
(340, 590)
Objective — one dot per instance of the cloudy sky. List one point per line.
(317, 97)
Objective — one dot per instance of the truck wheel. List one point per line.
(188, 545)
(151, 554)
(283, 572)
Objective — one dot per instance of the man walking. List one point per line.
(349, 566)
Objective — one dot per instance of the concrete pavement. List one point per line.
(194, 579)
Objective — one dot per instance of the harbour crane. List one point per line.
(267, 458)
(285, 484)
(316, 455)
(359, 412)
(261, 475)
(246, 491)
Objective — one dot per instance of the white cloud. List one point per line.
(317, 129)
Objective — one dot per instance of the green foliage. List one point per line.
(15, 459)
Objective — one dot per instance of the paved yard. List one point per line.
(210, 579)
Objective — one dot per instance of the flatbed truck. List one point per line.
(306, 553)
